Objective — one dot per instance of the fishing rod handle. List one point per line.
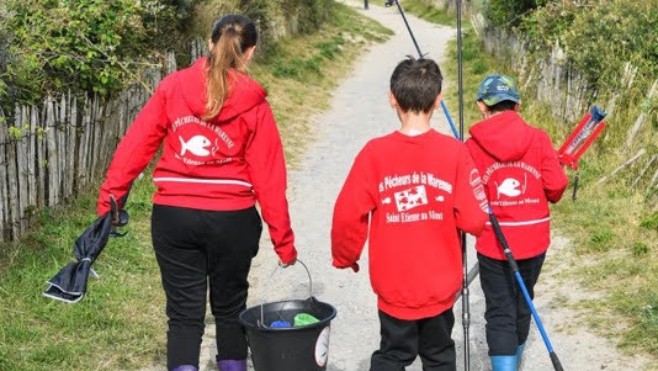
(556, 362)
(503, 241)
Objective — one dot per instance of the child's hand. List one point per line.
(354, 266)
(286, 265)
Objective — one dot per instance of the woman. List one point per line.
(222, 153)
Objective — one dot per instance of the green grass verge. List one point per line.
(116, 324)
(120, 324)
(612, 229)
(428, 12)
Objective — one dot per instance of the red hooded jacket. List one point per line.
(408, 195)
(521, 174)
(224, 164)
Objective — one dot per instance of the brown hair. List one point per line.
(415, 84)
(231, 36)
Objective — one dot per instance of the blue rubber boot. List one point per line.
(503, 363)
(232, 365)
(185, 368)
(519, 355)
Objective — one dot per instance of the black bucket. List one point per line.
(303, 348)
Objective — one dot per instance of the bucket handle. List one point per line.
(310, 290)
(308, 273)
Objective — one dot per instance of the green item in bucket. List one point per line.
(304, 319)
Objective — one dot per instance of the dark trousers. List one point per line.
(507, 313)
(197, 249)
(403, 340)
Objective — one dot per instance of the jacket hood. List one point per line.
(244, 92)
(504, 136)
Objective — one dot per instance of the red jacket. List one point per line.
(416, 192)
(225, 164)
(521, 174)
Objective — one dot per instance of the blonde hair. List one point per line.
(232, 35)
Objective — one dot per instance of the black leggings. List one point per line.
(196, 249)
(507, 313)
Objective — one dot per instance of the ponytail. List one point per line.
(232, 35)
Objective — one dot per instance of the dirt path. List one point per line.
(360, 111)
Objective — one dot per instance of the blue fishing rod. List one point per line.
(517, 275)
(473, 273)
(467, 276)
(390, 3)
(497, 231)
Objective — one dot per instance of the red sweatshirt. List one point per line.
(416, 192)
(521, 174)
(224, 164)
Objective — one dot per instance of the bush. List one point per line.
(598, 39)
(90, 46)
(508, 13)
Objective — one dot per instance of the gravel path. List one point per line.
(360, 111)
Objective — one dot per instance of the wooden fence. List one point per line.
(49, 153)
(553, 81)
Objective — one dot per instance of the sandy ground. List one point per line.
(360, 111)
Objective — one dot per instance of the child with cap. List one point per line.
(410, 192)
(521, 175)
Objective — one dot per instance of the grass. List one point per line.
(120, 324)
(299, 73)
(428, 12)
(119, 315)
(613, 228)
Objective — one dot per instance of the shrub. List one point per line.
(91, 46)
(598, 39)
(509, 13)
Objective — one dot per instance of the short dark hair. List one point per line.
(505, 105)
(415, 84)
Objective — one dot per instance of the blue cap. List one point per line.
(496, 88)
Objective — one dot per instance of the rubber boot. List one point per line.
(232, 365)
(185, 368)
(503, 363)
(519, 355)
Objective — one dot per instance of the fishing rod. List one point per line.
(473, 273)
(390, 3)
(466, 310)
(519, 280)
(467, 276)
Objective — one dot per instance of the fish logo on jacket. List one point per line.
(509, 187)
(196, 145)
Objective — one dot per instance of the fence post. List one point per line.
(365, 4)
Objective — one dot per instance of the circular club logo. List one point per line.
(322, 347)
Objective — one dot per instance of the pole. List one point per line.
(519, 280)
(365, 4)
(421, 55)
(466, 310)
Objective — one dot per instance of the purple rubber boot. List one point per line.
(185, 368)
(232, 365)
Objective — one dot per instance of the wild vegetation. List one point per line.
(100, 47)
(120, 324)
(89, 46)
(610, 48)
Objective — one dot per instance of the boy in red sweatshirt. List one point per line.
(411, 192)
(521, 175)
